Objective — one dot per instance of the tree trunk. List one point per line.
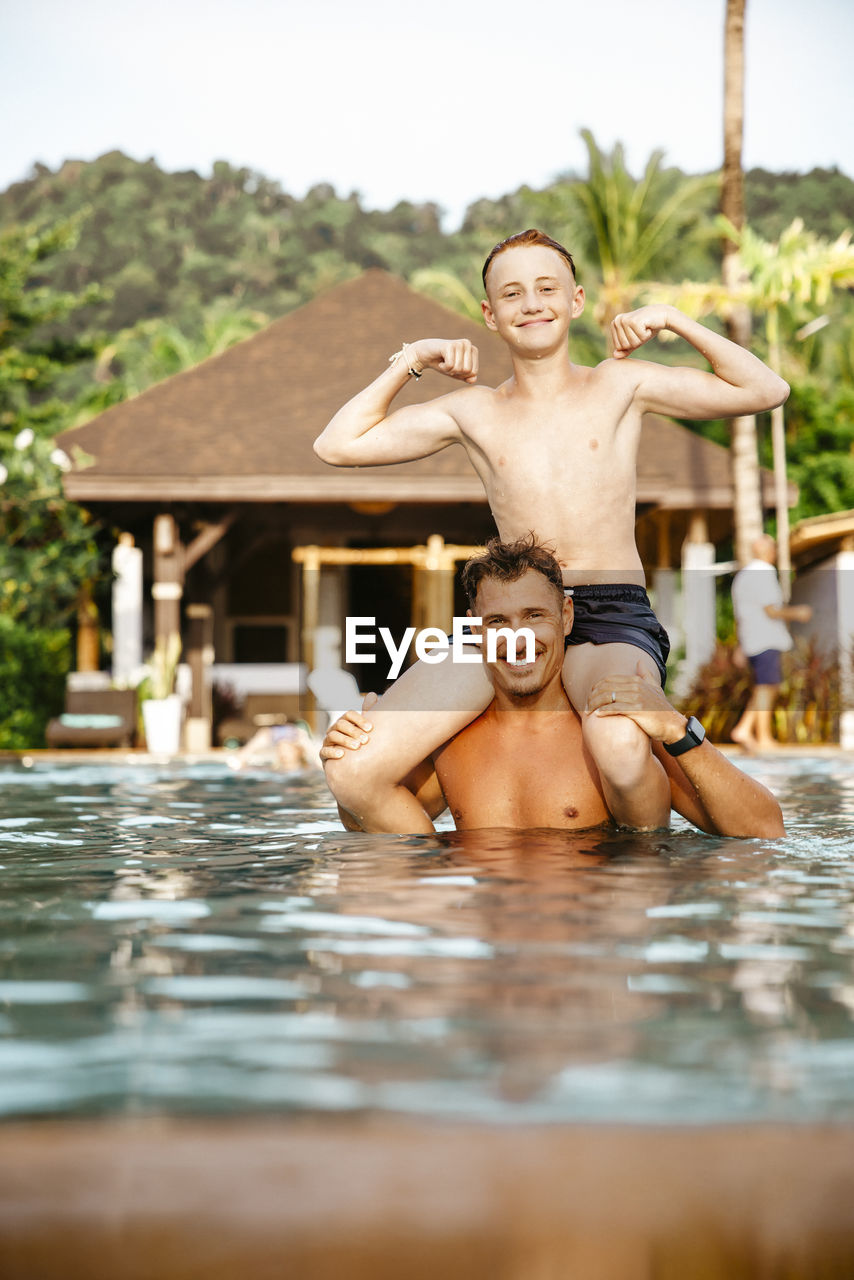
(745, 454)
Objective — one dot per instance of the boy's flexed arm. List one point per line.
(365, 434)
(740, 384)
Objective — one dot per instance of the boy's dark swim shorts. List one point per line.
(618, 613)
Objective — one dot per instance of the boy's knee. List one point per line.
(615, 738)
(353, 778)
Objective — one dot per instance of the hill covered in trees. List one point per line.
(172, 245)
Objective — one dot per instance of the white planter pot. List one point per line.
(161, 718)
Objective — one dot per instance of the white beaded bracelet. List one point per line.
(410, 361)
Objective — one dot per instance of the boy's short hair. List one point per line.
(523, 239)
(509, 561)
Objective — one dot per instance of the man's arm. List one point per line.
(365, 434)
(740, 384)
(789, 612)
(706, 787)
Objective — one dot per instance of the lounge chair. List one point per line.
(95, 718)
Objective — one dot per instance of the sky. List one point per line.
(442, 102)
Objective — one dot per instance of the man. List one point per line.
(556, 448)
(760, 618)
(524, 762)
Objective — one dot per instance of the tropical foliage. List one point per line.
(807, 707)
(48, 547)
(34, 662)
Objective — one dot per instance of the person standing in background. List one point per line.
(760, 619)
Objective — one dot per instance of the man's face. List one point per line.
(533, 602)
(531, 297)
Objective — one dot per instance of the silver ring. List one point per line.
(613, 696)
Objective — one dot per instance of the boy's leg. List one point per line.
(425, 707)
(635, 785)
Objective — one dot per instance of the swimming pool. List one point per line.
(184, 941)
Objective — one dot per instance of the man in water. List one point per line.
(524, 761)
(556, 448)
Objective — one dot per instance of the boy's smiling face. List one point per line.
(531, 297)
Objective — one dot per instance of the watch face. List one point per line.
(694, 735)
(696, 730)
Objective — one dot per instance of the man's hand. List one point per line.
(350, 731)
(456, 358)
(642, 699)
(633, 328)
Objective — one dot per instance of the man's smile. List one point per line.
(520, 668)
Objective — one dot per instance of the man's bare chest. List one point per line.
(543, 779)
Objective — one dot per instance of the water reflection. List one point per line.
(191, 940)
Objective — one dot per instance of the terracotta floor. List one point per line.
(333, 1200)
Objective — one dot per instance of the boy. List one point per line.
(556, 449)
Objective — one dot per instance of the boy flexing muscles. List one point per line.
(556, 448)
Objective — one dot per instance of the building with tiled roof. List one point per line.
(221, 456)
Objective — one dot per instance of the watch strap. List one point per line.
(694, 735)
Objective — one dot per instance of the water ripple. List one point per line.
(185, 940)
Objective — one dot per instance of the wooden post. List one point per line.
(664, 581)
(662, 531)
(698, 594)
(200, 655)
(310, 616)
(168, 586)
(88, 638)
(439, 593)
(778, 445)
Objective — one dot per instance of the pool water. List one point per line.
(184, 940)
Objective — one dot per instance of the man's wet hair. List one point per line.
(508, 562)
(524, 239)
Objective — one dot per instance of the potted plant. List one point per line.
(161, 705)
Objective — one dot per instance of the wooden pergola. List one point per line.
(435, 564)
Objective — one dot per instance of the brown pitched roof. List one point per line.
(816, 537)
(240, 426)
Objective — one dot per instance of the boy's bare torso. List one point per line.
(561, 466)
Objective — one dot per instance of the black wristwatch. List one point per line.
(694, 735)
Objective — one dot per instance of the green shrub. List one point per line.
(807, 705)
(34, 663)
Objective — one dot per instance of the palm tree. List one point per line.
(796, 274)
(747, 502)
(633, 224)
